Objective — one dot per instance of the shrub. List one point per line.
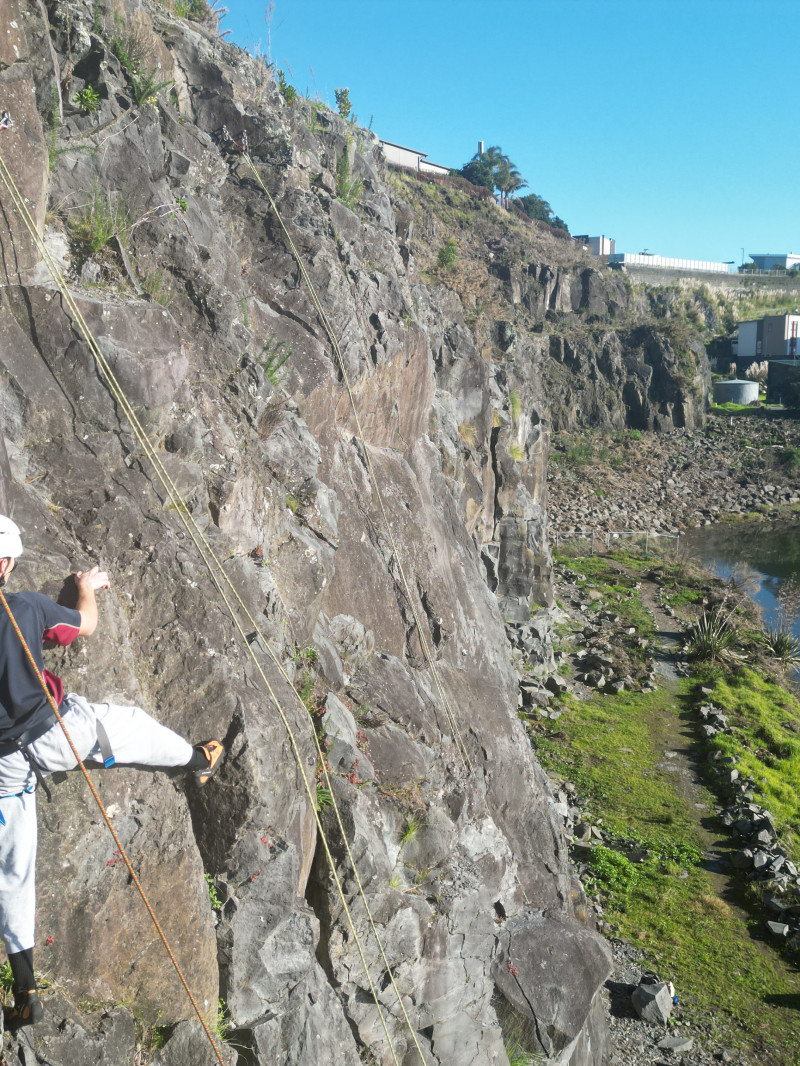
(711, 636)
(579, 454)
(447, 254)
(343, 102)
(287, 91)
(782, 645)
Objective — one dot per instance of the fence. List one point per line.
(601, 542)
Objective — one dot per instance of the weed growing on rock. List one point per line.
(221, 1025)
(272, 359)
(515, 403)
(348, 188)
(467, 433)
(146, 89)
(88, 100)
(414, 823)
(154, 283)
(213, 895)
(100, 220)
(324, 797)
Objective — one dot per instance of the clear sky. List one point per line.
(668, 125)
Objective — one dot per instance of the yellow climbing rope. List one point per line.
(219, 576)
(326, 325)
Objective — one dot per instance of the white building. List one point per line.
(624, 259)
(598, 245)
(411, 159)
(770, 337)
(775, 261)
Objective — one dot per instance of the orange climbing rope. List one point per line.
(107, 819)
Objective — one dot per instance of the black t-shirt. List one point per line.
(23, 704)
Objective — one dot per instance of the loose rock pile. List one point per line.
(762, 858)
(668, 482)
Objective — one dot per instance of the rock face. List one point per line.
(378, 558)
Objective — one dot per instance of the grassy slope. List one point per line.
(612, 748)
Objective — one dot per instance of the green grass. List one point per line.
(765, 745)
(601, 574)
(735, 409)
(688, 932)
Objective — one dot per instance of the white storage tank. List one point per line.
(735, 391)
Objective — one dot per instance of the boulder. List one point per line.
(652, 1003)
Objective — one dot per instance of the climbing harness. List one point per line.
(21, 743)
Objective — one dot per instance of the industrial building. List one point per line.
(775, 261)
(770, 337)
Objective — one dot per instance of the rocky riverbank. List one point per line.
(672, 481)
(692, 1033)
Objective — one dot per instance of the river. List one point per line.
(769, 551)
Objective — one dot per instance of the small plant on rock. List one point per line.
(414, 822)
(213, 895)
(272, 359)
(99, 222)
(348, 188)
(146, 89)
(88, 100)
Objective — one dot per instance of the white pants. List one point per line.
(134, 737)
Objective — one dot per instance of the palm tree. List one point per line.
(495, 170)
(513, 182)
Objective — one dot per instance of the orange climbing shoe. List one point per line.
(213, 752)
(27, 1010)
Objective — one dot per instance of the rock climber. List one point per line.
(33, 745)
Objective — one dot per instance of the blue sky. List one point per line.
(671, 126)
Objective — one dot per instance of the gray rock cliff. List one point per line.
(383, 601)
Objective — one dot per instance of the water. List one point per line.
(770, 551)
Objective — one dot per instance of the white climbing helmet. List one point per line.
(10, 539)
